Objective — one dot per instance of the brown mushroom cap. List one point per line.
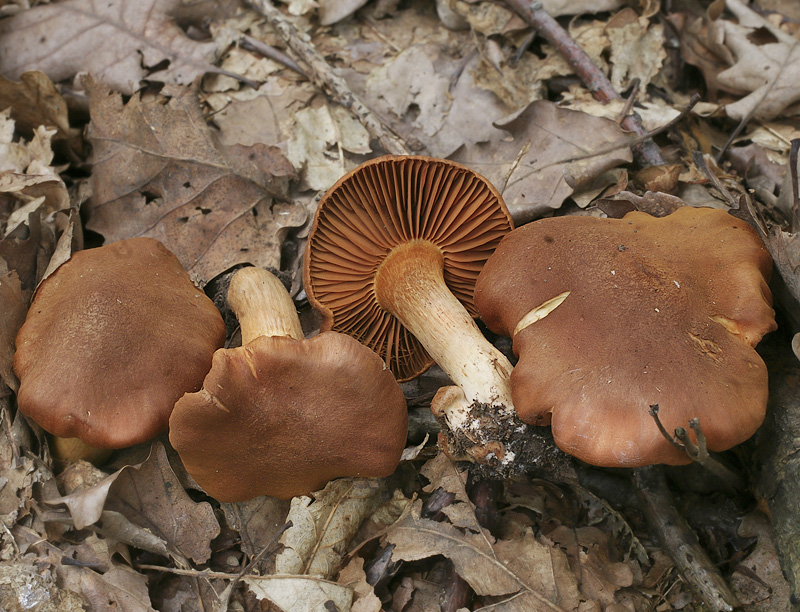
(282, 417)
(385, 203)
(659, 311)
(112, 339)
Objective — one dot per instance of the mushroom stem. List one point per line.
(262, 305)
(68, 450)
(410, 284)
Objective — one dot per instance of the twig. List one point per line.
(680, 541)
(647, 152)
(630, 100)
(631, 142)
(257, 46)
(323, 76)
(794, 226)
(699, 452)
(700, 162)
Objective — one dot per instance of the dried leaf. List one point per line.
(353, 576)
(768, 71)
(18, 473)
(159, 171)
(150, 496)
(27, 176)
(316, 129)
(35, 101)
(757, 580)
(436, 100)
(25, 586)
(120, 589)
(65, 38)
(323, 527)
(257, 521)
(301, 593)
(637, 49)
(332, 11)
(549, 157)
(14, 306)
(472, 554)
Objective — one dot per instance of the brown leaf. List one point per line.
(536, 178)
(18, 473)
(159, 171)
(757, 580)
(257, 521)
(14, 306)
(35, 101)
(74, 36)
(150, 496)
(473, 555)
(120, 589)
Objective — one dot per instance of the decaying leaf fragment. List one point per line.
(159, 171)
(65, 38)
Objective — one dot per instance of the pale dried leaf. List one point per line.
(159, 171)
(65, 38)
(300, 593)
(637, 51)
(333, 11)
(323, 527)
(757, 580)
(432, 98)
(352, 575)
(18, 473)
(318, 138)
(768, 71)
(25, 586)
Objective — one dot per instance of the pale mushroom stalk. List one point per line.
(262, 305)
(410, 285)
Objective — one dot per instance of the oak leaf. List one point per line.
(118, 41)
(160, 171)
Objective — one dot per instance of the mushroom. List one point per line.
(612, 316)
(280, 415)
(111, 341)
(392, 259)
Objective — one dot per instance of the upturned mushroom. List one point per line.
(611, 316)
(392, 259)
(282, 415)
(111, 341)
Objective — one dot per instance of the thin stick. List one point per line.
(680, 541)
(323, 76)
(647, 152)
(257, 46)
